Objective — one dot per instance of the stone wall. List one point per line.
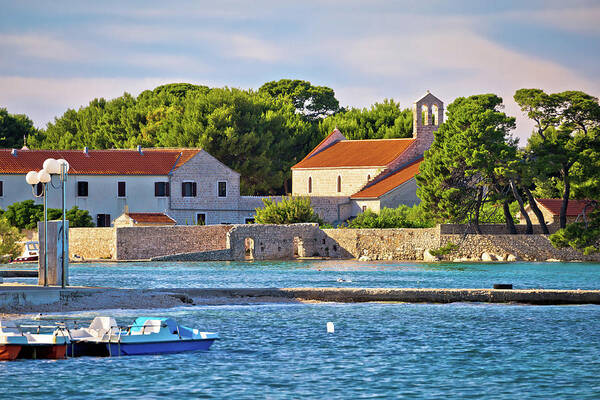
(524, 247)
(92, 243)
(381, 244)
(275, 242)
(489, 229)
(136, 243)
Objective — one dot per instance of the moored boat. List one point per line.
(147, 335)
(30, 252)
(15, 343)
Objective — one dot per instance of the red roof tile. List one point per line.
(391, 182)
(574, 207)
(154, 218)
(357, 153)
(99, 162)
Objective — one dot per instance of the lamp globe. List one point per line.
(44, 176)
(52, 166)
(32, 178)
(64, 162)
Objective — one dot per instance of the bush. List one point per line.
(290, 210)
(579, 236)
(401, 217)
(9, 238)
(26, 214)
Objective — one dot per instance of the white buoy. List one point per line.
(330, 327)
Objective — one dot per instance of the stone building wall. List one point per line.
(136, 243)
(324, 180)
(92, 243)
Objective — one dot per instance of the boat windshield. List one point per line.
(32, 246)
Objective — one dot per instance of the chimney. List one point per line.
(86, 150)
(139, 149)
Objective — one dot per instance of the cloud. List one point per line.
(40, 46)
(575, 19)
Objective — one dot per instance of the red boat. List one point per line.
(14, 343)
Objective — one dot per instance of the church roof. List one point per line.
(356, 153)
(390, 182)
(98, 162)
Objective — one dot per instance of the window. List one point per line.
(222, 189)
(339, 184)
(249, 220)
(201, 219)
(39, 189)
(309, 184)
(103, 220)
(1, 188)
(368, 177)
(364, 208)
(82, 190)
(161, 189)
(188, 189)
(121, 189)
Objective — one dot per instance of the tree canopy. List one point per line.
(464, 168)
(14, 128)
(312, 101)
(380, 121)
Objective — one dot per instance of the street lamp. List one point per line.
(52, 167)
(33, 178)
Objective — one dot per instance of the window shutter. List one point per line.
(194, 189)
(167, 189)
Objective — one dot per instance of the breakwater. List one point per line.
(25, 299)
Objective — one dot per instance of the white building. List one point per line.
(189, 185)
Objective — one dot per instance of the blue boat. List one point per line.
(147, 335)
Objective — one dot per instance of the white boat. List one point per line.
(31, 252)
(147, 335)
(16, 343)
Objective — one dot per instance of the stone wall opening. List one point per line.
(249, 248)
(298, 247)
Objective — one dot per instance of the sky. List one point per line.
(56, 55)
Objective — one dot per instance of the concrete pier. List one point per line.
(27, 299)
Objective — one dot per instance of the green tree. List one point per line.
(9, 238)
(24, 214)
(78, 218)
(314, 102)
(290, 210)
(567, 137)
(465, 166)
(401, 217)
(380, 121)
(14, 128)
(583, 235)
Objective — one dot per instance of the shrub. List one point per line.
(26, 214)
(442, 251)
(9, 238)
(579, 235)
(290, 210)
(401, 217)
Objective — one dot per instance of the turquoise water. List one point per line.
(282, 351)
(377, 351)
(340, 273)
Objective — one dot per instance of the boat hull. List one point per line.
(51, 352)
(166, 347)
(9, 352)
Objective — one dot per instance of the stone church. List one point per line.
(346, 177)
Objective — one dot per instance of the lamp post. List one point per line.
(33, 178)
(52, 167)
(60, 167)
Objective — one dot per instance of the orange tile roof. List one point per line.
(99, 162)
(391, 182)
(154, 218)
(574, 207)
(357, 153)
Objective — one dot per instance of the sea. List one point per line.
(376, 350)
